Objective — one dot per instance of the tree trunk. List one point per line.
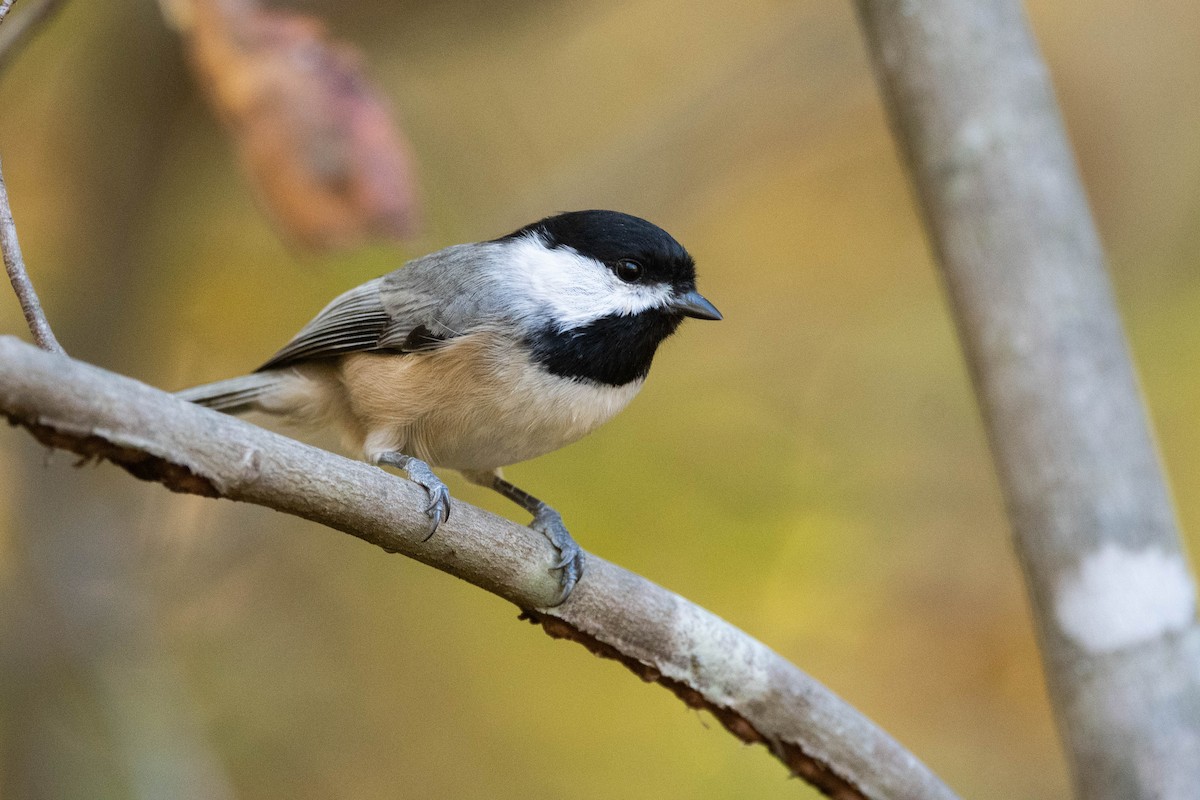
(971, 103)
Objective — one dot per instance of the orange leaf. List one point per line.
(311, 129)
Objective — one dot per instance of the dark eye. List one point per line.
(628, 271)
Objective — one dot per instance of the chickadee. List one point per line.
(482, 355)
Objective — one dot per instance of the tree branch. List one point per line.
(706, 662)
(1109, 584)
(14, 264)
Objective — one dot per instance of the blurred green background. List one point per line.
(812, 468)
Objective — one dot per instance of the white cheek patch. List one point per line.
(1119, 598)
(573, 289)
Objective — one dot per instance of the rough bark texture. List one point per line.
(975, 115)
(662, 637)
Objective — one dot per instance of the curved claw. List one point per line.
(421, 474)
(548, 522)
(438, 509)
(572, 571)
(566, 557)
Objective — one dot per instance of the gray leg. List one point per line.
(420, 473)
(547, 522)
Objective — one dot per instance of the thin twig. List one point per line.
(756, 694)
(18, 31)
(14, 264)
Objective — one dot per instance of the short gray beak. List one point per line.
(693, 304)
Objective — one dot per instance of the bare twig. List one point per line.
(708, 663)
(14, 264)
(1110, 587)
(19, 30)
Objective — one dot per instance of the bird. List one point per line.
(483, 355)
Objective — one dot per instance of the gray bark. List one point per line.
(972, 106)
(14, 265)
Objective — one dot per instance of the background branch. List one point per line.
(19, 30)
(975, 115)
(756, 694)
(14, 264)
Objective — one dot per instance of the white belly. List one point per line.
(502, 428)
(469, 406)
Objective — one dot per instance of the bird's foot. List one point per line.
(549, 523)
(421, 474)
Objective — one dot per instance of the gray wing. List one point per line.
(354, 322)
(414, 309)
(439, 297)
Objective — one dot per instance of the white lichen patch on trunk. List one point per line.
(1119, 598)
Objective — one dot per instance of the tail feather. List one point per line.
(232, 396)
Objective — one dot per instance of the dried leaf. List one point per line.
(311, 129)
